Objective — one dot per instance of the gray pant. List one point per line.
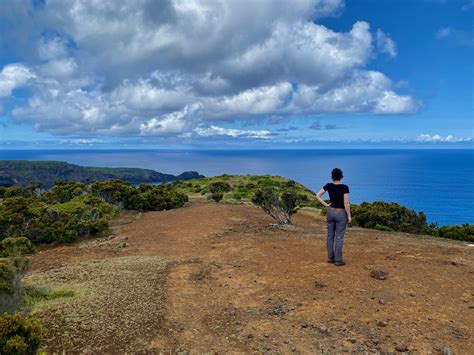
(337, 221)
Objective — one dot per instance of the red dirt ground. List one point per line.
(233, 283)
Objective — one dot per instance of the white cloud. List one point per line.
(231, 132)
(385, 44)
(174, 122)
(436, 138)
(364, 91)
(139, 68)
(52, 48)
(83, 141)
(13, 76)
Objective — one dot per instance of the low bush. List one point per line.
(383, 228)
(278, 205)
(13, 246)
(389, 215)
(19, 335)
(463, 232)
(215, 196)
(219, 186)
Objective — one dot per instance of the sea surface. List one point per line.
(438, 182)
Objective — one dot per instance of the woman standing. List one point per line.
(338, 215)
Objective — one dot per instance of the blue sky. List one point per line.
(172, 74)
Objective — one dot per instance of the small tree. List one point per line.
(12, 269)
(279, 206)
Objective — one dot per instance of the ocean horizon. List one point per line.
(435, 181)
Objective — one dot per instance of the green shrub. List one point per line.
(463, 232)
(116, 192)
(216, 196)
(383, 228)
(278, 205)
(12, 246)
(12, 270)
(237, 196)
(391, 215)
(19, 335)
(219, 186)
(62, 192)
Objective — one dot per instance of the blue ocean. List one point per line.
(438, 182)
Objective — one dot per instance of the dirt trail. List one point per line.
(232, 283)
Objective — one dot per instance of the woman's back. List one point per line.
(336, 194)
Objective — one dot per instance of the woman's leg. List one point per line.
(340, 228)
(331, 232)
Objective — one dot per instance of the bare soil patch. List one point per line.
(216, 277)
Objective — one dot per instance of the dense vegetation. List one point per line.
(72, 210)
(23, 172)
(241, 187)
(391, 217)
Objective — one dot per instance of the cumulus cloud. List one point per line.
(13, 76)
(385, 44)
(436, 138)
(231, 132)
(165, 67)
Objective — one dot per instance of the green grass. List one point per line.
(33, 295)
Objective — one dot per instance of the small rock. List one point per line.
(293, 349)
(382, 323)
(250, 336)
(319, 285)
(471, 306)
(381, 301)
(401, 347)
(447, 351)
(412, 294)
(323, 329)
(453, 263)
(379, 274)
(352, 340)
(304, 325)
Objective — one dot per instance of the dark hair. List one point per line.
(337, 174)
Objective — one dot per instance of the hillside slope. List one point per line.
(23, 172)
(216, 277)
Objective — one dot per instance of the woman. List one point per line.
(338, 215)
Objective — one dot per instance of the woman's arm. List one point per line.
(347, 207)
(318, 196)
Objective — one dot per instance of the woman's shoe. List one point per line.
(340, 263)
(331, 261)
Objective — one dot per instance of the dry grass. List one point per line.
(118, 304)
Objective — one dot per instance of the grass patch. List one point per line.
(33, 294)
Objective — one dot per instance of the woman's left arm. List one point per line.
(318, 196)
(347, 207)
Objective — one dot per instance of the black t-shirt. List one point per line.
(336, 194)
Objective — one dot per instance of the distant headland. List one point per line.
(23, 172)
